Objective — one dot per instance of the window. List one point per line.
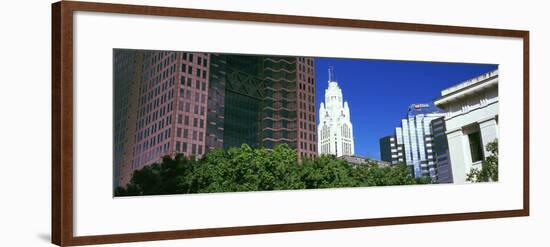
(476, 146)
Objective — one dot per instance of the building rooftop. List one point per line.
(469, 82)
(416, 109)
(468, 87)
(358, 160)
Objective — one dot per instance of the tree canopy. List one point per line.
(247, 169)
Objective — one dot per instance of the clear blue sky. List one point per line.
(379, 91)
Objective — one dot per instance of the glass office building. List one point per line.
(412, 143)
(441, 151)
(262, 101)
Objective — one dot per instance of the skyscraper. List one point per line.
(335, 130)
(159, 107)
(413, 141)
(128, 66)
(262, 101)
(392, 150)
(418, 139)
(168, 102)
(441, 151)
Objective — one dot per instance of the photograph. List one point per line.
(182, 121)
(187, 122)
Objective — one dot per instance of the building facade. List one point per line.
(129, 67)
(166, 113)
(471, 121)
(170, 102)
(441, 151)
(412, 142)
(262, 101)
(418, 140)
(335, 130)
(392, 150)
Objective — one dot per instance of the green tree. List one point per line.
(247, 169)
(326, 172)
(489, 166)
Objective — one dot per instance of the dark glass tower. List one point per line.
(262, 101)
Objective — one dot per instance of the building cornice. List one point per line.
(471, 86)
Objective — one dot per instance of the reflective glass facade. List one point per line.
(262, 101)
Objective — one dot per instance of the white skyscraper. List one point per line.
(416, 140)
(335, 132)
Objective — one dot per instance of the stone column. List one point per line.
(489, 132)
(457, 156)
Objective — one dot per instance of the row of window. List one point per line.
(310, 127)
(182, 147)
(195, 135)
(310, 107)
(153, 116)
(307, 146)
(197, 122)
(143, 133)
(151, 142)
(190, 57)
(346, 148)
(307, 60)
(309, 136)
(307, 116)
(189, 83)
(188, 69)
(308, 88)
(150, 155)
(159, 57)
(149, 91)
(306, 69)
(197, 108)
(308, 155)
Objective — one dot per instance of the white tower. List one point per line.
(335, 132)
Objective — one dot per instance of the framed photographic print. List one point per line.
(172, 123)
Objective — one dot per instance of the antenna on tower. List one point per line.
(331, 75)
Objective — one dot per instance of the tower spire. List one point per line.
(331, 75)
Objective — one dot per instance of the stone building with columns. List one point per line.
(471, 121)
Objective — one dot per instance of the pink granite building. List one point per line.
(171, 90)
(305, 92)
